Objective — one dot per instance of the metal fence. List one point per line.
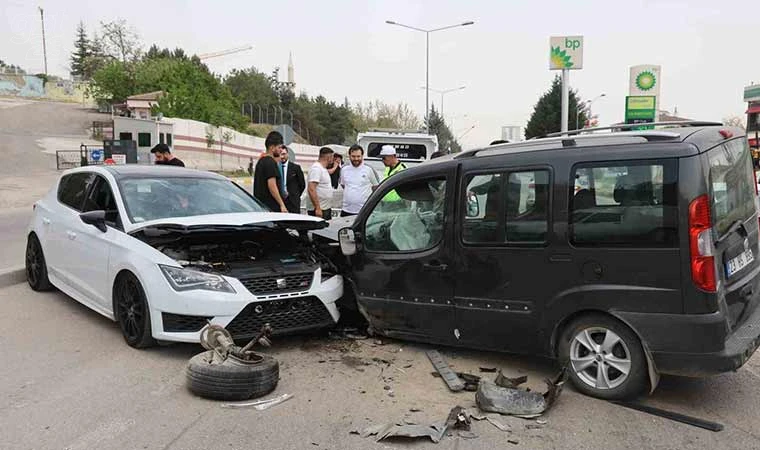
(69, 159)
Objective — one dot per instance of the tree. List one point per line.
(437, 126)
(253, 87)
(81, 53)
(547, 115)
(382, 115)
(734, 121)
(120, 41)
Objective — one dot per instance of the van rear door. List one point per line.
(733, 194)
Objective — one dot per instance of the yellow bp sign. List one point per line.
(565, 52)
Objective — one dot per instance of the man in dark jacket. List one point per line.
(164, 156)
(293, 183)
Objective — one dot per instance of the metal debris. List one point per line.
(689, 420)
(470, 381)
(434, 431)
(507, 382)
(498, 423)
(454, 383)
(518, 402)
(488, 369)
(260, 405)
(458, 419)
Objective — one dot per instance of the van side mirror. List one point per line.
(96, 219)
(473, 205)
(347, 239)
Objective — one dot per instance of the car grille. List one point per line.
(179, 323)
(278, 284)
(285, 316)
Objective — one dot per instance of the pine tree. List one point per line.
(547, 115)
(82, 52)
(437, 126)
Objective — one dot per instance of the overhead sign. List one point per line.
(565, 52)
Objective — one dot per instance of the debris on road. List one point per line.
(470, 381)
(434, 431)
(260, 405)
(512, 441)
(467, 434)
(488, 369)
(495, 421)
(454, 383)
(509, 383)
(516, 401)
(689, 420)
(228, 372)
(458, 419)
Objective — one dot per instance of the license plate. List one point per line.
(738, 263)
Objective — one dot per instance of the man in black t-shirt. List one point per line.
(164, 156)
(267, 178)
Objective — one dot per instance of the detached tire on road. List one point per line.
(233, 379)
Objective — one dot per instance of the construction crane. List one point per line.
(224, 52)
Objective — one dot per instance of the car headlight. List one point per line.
(187, 280)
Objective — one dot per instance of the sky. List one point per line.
(344, 49)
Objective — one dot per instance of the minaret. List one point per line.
(291, 73)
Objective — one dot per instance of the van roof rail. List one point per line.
(631, 126)
(393, 130)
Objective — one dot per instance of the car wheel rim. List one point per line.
(600, 358)
(131, 310)
(33, 263)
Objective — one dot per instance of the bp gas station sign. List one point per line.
(640, 109)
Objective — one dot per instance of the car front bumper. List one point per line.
(180, 316)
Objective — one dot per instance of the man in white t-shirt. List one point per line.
(358, 181)
(320, 185)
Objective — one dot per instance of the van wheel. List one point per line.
(605, 358)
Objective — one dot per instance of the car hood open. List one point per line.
(335, 225)
(231, 221)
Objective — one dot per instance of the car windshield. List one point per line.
(149, 199)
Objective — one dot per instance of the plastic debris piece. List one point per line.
(454, 383)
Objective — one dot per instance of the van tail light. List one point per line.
(701, 244)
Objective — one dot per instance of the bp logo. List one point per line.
(560, 58)
(645, 80)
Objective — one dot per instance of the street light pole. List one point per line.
(427, 55)
(586, 105)
(443, 92)
(44, 45)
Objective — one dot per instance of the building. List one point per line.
(140, 106)
(147, 133)
(512, 133)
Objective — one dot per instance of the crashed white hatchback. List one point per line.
(164, 251)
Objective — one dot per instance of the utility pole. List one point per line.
(44, 45)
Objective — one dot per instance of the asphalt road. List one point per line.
(26, 170)
(69, 381)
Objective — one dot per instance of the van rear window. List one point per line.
(731, 184)
(405, 151)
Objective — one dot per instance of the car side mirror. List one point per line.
(347, 239)
(473, 205)
(96, 219)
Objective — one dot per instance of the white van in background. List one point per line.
(412, 146)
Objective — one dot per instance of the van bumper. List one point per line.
(696, 345)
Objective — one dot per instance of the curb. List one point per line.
(14, 275)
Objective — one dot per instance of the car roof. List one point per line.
(125, 171)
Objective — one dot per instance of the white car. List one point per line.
(164, 251)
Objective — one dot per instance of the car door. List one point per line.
(91, 247)
(402, 274)
(501, 252)
(63, 218)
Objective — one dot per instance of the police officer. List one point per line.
(392, 166)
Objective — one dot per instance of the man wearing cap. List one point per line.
(392, 167)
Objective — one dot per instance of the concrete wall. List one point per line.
(29, 86)
(191, 144)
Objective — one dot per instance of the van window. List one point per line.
(507, 208)
(629, 205)
(409, 218)
(731, 166)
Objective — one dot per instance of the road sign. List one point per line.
(96, 154)
(119, 159)
(565, 52)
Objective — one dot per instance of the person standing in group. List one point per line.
(335, 170)
(358, 181)
(164, 156)
(392, 167)
(320, 186)
(267, 178)
(293, 183)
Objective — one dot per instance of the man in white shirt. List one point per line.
(320, 186)
(358, 181)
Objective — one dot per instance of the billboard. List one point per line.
(565, 52)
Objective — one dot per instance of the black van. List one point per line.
(623, 254)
